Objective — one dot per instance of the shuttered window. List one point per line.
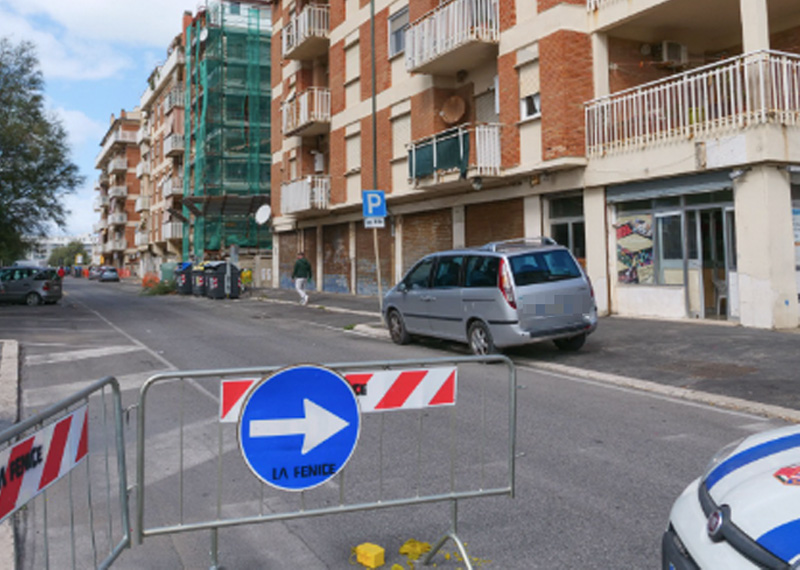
(353, 152)
(530, 101)
(401, 135)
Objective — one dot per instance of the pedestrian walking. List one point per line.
(301, 274)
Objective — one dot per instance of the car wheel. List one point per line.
(397, 328)
(480, 339)
(32, 299)
(570, 344)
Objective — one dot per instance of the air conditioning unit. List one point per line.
(674, 54)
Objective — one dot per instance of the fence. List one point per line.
(444, 453)
(756, 88)
(63, 486)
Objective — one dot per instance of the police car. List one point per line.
(744, 512)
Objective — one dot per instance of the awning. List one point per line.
(665, 187)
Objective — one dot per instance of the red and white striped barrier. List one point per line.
(32, 465)
(379, 391)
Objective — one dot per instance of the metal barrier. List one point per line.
(59, 483)
(465, 450)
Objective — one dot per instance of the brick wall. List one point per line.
(547, 4)
(508, 80)
(629, 67)
(276, 130)
(419, 8)
(788, 40)
(425, 106)
(508, 14)
(424, 233)
(493, 221)
(336, 74)
(366, 274)
(383, 71)
(286, 258)
(337, 12)
(384, 150)
(304, 78)
(336, 258)
(310, 249)
(276, 179)
(276, 58)
(337, 166)
(565, 71)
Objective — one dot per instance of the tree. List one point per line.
(35, 169)
(65, 255)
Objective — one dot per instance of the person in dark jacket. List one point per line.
(301, 274)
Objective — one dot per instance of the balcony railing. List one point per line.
(175, 98)
(173, 145)
(172, 230)
(118, 191)
(305, 194)
(115, 245)
(142, 169)
(143, 134)
(100, 226)
(307, 114)
(118, 219)
(100, 202)
(173, 187)
(451, 150)
(117, 165)
(118, 136)
(756, 88)
(306, 36)
(141, 239)
(457, 35)
(142, 203)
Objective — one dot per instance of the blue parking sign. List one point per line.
(374, 203)
(299, 427)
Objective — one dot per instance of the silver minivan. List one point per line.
(503, 294)
(30, 285)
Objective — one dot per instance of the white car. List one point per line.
(744, 512)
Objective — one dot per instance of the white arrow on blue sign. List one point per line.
(299, 427)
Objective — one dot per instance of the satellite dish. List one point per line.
(263, 214)
(203, 34)
(453, 110)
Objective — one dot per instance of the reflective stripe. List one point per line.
(782, 541)
(749, 456)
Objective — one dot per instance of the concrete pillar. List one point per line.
(319, 270)
(600, 63)
(276, 266)
(352, 253)
(755, 25)
(459, 227)
(765, 248)
(532, 211)
(398, 247)
(594, 215)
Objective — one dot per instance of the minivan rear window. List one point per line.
(543, 266)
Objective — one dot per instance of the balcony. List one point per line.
(142, 169)
(117, 166)
(118, 191)
(115, 245)
(461, 34)
(100, 226)
(173, 187)
(118, 219)
(172, 230)
(118, 136)
(306, 194)
(100, 202)
(141, 239)
(173, 145)
(306, 36)
(175, 98)
(308, 114)
(102, 180)
(725, 97)
(143, 135)
(452, 151)
(142, 204)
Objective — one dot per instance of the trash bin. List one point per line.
(215, 274)
(198, 280)
(183, 279)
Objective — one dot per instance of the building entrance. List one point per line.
(712, 280)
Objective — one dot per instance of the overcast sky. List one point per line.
(96, 56)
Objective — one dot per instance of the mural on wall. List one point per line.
(635, 248)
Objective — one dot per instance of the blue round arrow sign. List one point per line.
(299, 427)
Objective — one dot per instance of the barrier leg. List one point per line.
(214, 553)
(450, 536)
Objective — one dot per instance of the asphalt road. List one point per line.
(597, 466)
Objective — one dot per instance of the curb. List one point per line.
(9, 392)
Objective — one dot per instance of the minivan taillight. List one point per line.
(45, 286)
(505, 285)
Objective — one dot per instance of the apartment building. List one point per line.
(161, 139)
(658, 139)
(117, 191)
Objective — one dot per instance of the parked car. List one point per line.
(744, 512)
(109, 274)
(500, 295)
(31, 285)
(95, 271)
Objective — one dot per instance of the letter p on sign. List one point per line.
(374, 203)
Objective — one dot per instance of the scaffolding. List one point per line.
(227, 126)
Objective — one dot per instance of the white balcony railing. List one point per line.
(450, 150)
(117, 165)
(756, 88)
(173, 144)
(118, 219)
(143, 134)
(100, 202)
(313, 22)
(118, 191)
(175, 98)
(142, 169)
(309, 193)
(116, 245)
(449, 27)
(172, 230)
(142, 203)
(308, 113)
(141, 239)
(101, 225)
(118, 136)
(173, 187)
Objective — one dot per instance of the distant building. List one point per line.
(44, 247)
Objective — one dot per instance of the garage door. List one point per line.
(425, 233)
(336, 258)
(494, 221)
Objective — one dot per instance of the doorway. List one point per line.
(711, 263)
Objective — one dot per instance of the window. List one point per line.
(401, 135)
(482, 271)
(567, 225)
(353, 153)
(530, 102)
(448, 272)
(419, 277)
(352, 67)
(398, 23)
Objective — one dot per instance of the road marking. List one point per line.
(72, 355)
(41, 397)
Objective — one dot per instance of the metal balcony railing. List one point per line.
(142, 203)
(100, 202)
(173, 144)
(305, 194)
(308, 114)
(172, 230)
(755, 88)
(173, 187)
(143, 134)
(118, 136)
(451, 26)
(141, 239)
(117, 165)
(142, 169)
(118, 219)
(306, 35)
(175, 98)
(118, 191)
(116, 245)
(451, 150)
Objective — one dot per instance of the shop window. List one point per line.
(670, 249)
(398, 23)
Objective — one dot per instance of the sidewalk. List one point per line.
(714, 362)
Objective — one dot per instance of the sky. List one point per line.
(96, 56)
